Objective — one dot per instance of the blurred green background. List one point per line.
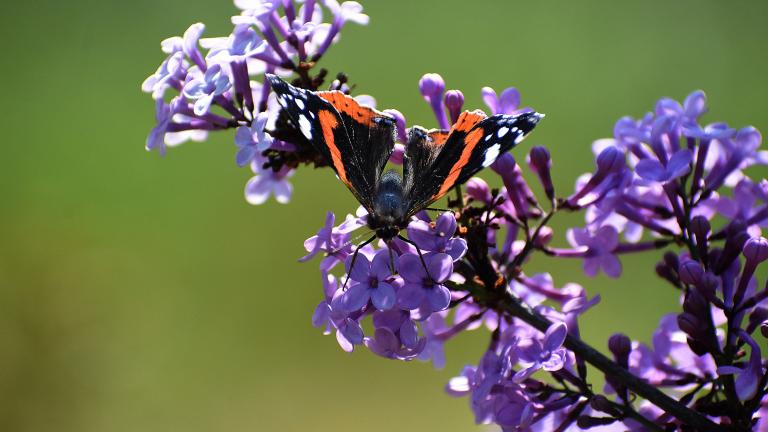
(140, 293)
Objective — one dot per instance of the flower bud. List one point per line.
(431, 86)
(700, 227)
(690, 272)
(454, 101)
(764, 329)
(541, 163)
(689, 324)
(672, 260)
(544, 237)
(756, 250)
(587, 422)
(620, 345)
(735, 237)
(666, 273)
(609, 160)
(602, 404)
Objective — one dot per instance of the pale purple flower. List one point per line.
(547, 354)
(506, 103)
(334, 241)
(653, 170)
(370, 282)
(386, 344)
(163, 115)
(203, 89)
(438, 236)
(170, 73)
(239, 46)
(267, 182)
(252, 140)
(600, 247)
(421, 290)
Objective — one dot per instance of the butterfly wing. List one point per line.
(437, 161)
(355, 140)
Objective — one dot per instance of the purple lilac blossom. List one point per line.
(268, 36)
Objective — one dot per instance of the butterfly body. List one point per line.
(389, 207)
(357, 142)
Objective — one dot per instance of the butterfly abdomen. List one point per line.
(388, 206)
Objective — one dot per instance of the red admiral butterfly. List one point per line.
(357, 142)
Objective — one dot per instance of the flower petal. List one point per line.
(439, 297)
(410, 296)
(355, 297)
(652, 170)
(384, 296)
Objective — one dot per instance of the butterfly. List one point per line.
(357, 141)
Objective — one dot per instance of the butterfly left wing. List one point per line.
(355, 140)
(436, 163)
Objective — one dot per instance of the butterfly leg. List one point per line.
(354, 257)
(437, 209)
(421, 257)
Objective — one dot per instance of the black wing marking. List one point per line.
(473, 143)
(355, 140)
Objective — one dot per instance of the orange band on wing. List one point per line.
(328, 123)
(470, 141)
(347, 105)
(467, 120)
(439, 137)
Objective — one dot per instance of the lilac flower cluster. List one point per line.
(665, 183)
(657, 183)
(219, 83)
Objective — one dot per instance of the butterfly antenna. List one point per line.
(354, 258)
(421, 257)
(350, 241)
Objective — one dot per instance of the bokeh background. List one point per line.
(140, 293)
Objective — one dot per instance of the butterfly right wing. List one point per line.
(437, 161)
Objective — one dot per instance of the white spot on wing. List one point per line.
(300, 103)
(519, 137)
(491, 154)
(488, 137)
(305, 126)
(502, 131)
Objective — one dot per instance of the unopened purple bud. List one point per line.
(431, 86)
(666, 273)
(735, 238)
(609, 160)
(700, 226)
(620, 345)
(689, 324)
(696, 304)
(764, 329)
(701, 229)
(545, 236)
(708, 287)
(454, 101)
(672, 260)
(756, 250)
(691, 272)
(588, 422)
(541, 163)
(602, 404)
